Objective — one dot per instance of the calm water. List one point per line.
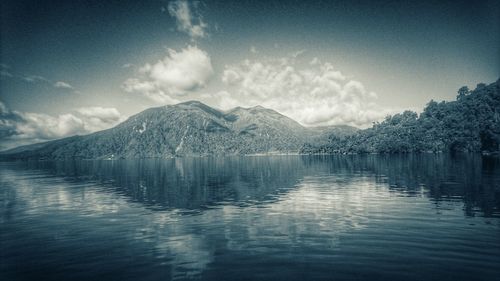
(252, 218)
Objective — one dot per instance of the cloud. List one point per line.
(63, 85)
(20, 128)
(314, 61)
(226, 100)
(313, 94)
(149, 89)
(297, 53)
(183, 71)
(58, 84)
(99, 118)
(230, 76)
(176, 74)
(35, 79)
(187, 18)
(5, 72)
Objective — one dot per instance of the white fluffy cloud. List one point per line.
(180, 72)
(99, 118)
(176, 74)
(313, 94)
(187, 18)
(19, 128)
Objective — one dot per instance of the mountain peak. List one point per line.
(192, 102)
(258, 107)
(187, 128)
(199, 104)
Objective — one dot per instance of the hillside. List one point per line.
(189, 128)
(471, 123)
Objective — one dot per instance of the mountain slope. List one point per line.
(189, 128)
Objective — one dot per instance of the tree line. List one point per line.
(471, 123)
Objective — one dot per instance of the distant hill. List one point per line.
(189, 128)
(471, 123)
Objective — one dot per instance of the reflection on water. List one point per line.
(409, 217)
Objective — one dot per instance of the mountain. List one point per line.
(189, 128)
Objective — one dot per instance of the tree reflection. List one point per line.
(198, 183)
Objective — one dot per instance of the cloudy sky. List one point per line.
(74, 67)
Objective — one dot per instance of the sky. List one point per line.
(75, 67)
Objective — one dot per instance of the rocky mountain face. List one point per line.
(189, 128)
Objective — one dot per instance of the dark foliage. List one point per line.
(471, 123)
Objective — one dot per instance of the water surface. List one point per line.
(413, 217)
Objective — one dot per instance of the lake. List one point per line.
(346, 217)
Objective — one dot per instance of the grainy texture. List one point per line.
(471, 123)
(189, 128)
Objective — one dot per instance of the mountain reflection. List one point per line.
(186, 183)
(198, 217)
(199, 183)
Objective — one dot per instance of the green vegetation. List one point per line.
(471, 123)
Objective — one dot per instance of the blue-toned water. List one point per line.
(412, 217)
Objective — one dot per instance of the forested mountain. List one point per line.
(189, 128)
(470, 123)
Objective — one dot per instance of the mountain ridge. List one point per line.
(190, 128)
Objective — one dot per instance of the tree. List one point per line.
(471, 123)
(462, 92)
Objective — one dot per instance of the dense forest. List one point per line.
(471, 123)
